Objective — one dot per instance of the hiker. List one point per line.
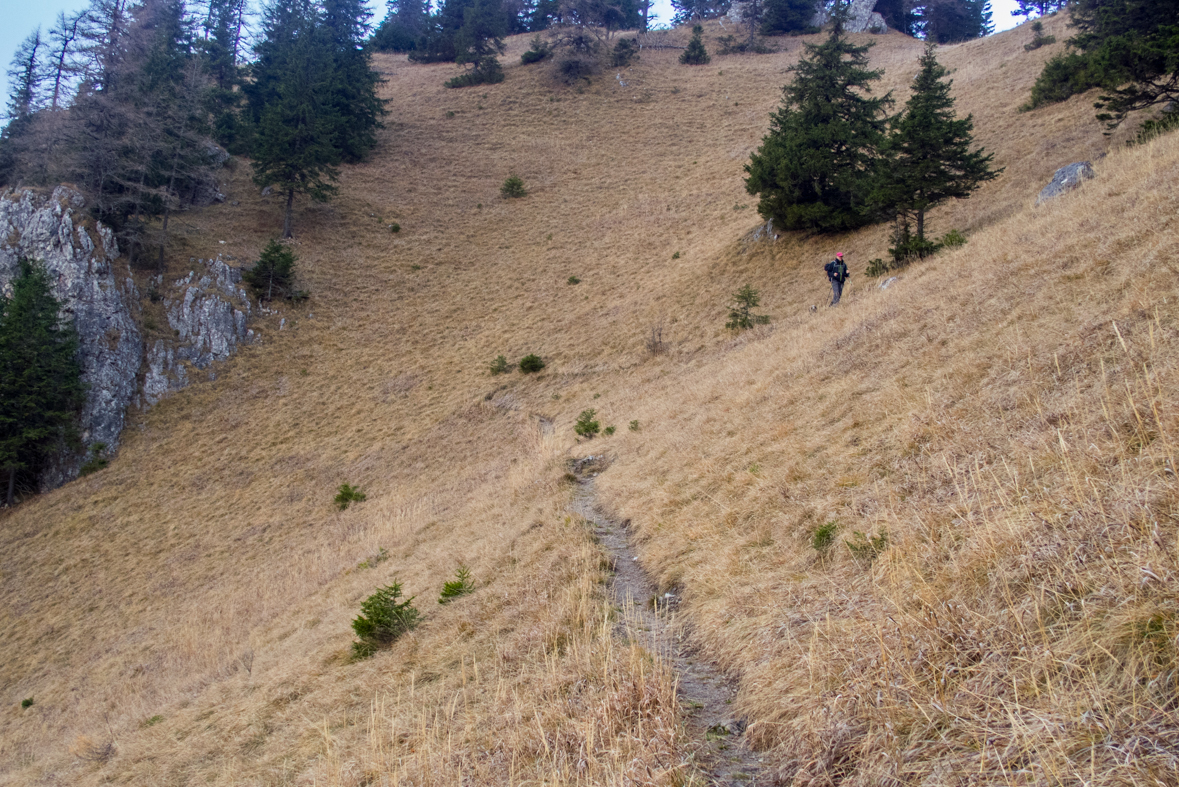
(837, 274)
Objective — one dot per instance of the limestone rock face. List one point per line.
(207, 311)
(860, 18)
(1066, 179)
(98, 296)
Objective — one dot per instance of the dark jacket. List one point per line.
(836, 271)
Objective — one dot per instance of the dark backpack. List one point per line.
(838, 271)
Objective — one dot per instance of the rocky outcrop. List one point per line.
(96, 294)
(207, 312)
(860, 18)
(1066, 179)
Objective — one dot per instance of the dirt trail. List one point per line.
(723, 755)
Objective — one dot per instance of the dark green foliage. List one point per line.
(1129, 48)
(530, 364)
(500, 365)
(382, 620)
(463, 31)
(789, 17)
(461, 585)
(626, 51)
(27, 702)
(41, 388)
(294, 146)
(1064, 75)
(901, 15)
(876, 268)
(741, 314)
(513, 188)
(952, 239)
(351, 91)
(951, 21)
(405, 21)
(815, 170)
(609, 430)
(487, 71)
(1155, 127)
(586, 426)
(348, 494)
(540, 50)
(273, 275)
(573, 280)
(729, 45)
(928, 158)
(907, 247)
(695, 54)
(1038, 37)
(634, 425)
(96, 461)
(824, 536)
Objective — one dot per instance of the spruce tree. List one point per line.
(816, 168)
(41, 389)
(695, 54)
(273, 275)
(928, 155)
(294, 148)
(352, 88)
(789, 17)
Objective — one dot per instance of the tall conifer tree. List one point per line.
(815, 169)
(928, 155)
(41, 389)
(294, 146)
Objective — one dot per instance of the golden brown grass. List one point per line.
(1005, 412)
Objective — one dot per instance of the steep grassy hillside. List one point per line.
(1003, 415)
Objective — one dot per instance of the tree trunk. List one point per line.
(646, 8)
(286, 222)
(11, 485)
(920, 225)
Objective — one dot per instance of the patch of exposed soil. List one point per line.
(723, 756)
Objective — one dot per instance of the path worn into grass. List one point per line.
(723, 755)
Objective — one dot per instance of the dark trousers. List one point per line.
(836, 291)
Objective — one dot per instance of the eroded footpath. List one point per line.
(722, 755)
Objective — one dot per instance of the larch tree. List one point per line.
(815, 169)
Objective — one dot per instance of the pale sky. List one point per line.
(21, 17)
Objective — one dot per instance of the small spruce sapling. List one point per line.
(741, 314)
(531, 363)
(586, 426)
(273, 276)
(695, 54)
(500, 365)
(382, 620)
(459, 586)
(513, 188)
(348, 494)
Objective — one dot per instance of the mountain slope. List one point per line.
(190, 604)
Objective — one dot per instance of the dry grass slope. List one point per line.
(1005, 413)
